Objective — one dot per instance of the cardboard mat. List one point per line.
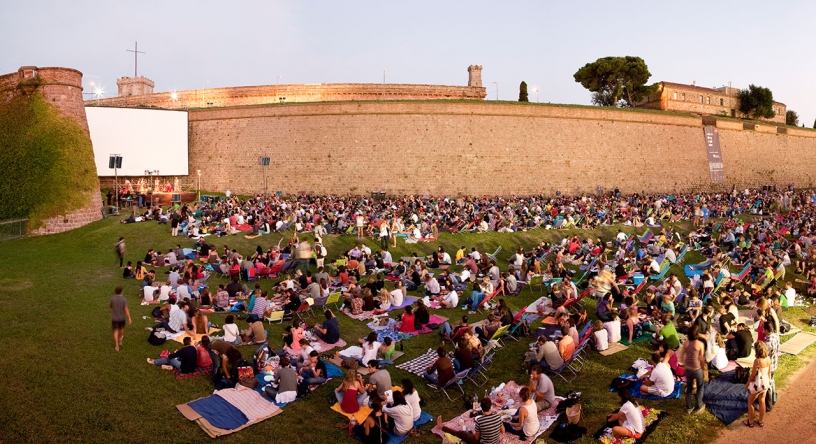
(613, 348)
(796, 344)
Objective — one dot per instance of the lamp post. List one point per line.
(536, 91)
(277, 81)
(497, 90)
(199, 185)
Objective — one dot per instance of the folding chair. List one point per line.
(537, 281)
(304, 308)
(498, 250)
(454, 382)
(499, 334)
(477, 370)
(334, 298)
(275, 316)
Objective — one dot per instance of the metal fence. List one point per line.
(13, 229)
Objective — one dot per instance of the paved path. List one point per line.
(792, 420)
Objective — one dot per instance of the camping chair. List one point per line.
(664, 268)
(647, 236)
(742, 274)
(477, 370)
(454, 382)
(589, 267)
(538, 281)
(333, 298)
(493, 256)
(560, 370)
(576, 363)
(275, 316)
(486, 300)
(499, 334)
(517, 324)
(304, 308)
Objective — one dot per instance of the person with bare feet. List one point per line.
(119, 312)
(489, 426)
(184, 360)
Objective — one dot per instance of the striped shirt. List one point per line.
(489, 428)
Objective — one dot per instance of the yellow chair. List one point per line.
(275, 316)
(333, 298)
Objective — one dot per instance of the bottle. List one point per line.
(352, 423)
(475, 402)
(493, 390)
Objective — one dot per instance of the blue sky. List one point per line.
(197, 44)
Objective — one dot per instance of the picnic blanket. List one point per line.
(418, 365)
(228, 411)
(546, 418)
(642, 338)
(179, 337)
(364, 316)
(725, 399)
(199, 371)
(547, 307)
(406, 301)
(798, 343)
(677, 393)
(613, 348)
(321, 346)
(362, 414)
(651, 419)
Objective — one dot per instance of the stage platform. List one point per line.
(164, 199)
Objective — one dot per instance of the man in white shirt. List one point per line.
(431, 286)
(654, 267)
(149, 295)
(164, 291)
(387, 259)
(670, 256)
(450, 300)
(659, 381)
(174, 279)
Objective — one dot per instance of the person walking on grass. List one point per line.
(120, 251)
(119, 312)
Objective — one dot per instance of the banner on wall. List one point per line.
(715, 161)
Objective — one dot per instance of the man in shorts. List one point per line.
(119, 312)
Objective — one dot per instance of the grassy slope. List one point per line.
(64, 382)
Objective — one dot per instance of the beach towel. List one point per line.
(321, 347)
(179, 337)
(642, 338)
(406, 301)
(677, 393)
(364, 316)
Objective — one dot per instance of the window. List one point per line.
(683, 96)
(722, 102)
(701, 98)
(708, 100)
(675, 95)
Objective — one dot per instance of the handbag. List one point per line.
(574, 414)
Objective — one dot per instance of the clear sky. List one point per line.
(197, 44)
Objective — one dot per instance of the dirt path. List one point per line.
(793, 419)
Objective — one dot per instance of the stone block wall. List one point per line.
(445, 148)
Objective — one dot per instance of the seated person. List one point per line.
(407, 321)
(669, 333)
(386, 351)
(255, 333)
(486, 331)
(329, 332)
(542, 388)
(546, 354)
(183, 360)
(740, 343)
(442, 370)
(401, 415)
(287, 378)
(488, 426)
(374, 429)
(613, 327)
(450, 300)
(351, 393)
(458, 329)
(525, 423)
(628, 421)
(463, 356)
(566, 346)
(659, 381)
(599, 337)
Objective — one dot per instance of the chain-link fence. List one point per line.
(13, 229)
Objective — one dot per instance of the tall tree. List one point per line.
(616, 81)
(523, 92)
(814, 124)
(791, 118)
(757, 102)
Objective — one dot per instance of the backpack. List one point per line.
(741, 375)
(203, 360)
(784, 326)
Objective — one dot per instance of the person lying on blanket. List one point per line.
(629, 419)
(659, 381)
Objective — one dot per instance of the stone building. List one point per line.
(134, 86)
(723, 101)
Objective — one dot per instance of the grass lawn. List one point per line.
(63, 381)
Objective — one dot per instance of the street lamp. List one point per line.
(199, 185)
(536, 91)
(277, 82)
(497, 90)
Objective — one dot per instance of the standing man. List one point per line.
(119, 312)
(120, 250)
(384, 235)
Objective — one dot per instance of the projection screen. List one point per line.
(147, 139)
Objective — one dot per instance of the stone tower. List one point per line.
(475, 75)
(134, 86)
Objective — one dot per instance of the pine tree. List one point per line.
(523, 92)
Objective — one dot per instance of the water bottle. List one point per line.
(475, 402)
(352, 423)
(493, 390)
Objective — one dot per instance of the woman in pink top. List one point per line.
(297, 334)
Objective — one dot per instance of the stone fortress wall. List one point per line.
(61, 87)
(480, 147)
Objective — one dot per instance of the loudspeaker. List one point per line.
(118, 161)
(111, 162)
(176, 197)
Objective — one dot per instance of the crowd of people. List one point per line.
(704, 310)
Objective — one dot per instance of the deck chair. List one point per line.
(664, 268)
(537, 281)
(477, 370)
(493, 256)
(275, 316)
(517, 324)
(334, 298)
(647, 236)
(742, 274)
(499, 334)
(303, 309)
(454, 382)
(487, 299)
(560, 370)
